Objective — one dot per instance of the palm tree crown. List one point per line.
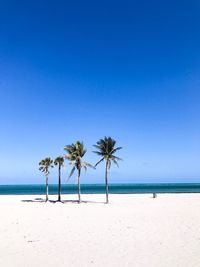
(45, 164)
(59, 161)
(106, 149)
(75, 153)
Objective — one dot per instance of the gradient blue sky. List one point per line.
(84, 69)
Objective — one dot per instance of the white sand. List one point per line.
(134, 230)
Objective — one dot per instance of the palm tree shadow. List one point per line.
(70, 201)
(95, 202)
(56, 201)
(34, 200)
(41, 200)
(82, 202)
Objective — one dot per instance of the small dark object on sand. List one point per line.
(154, 195)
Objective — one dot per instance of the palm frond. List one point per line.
(89, 165)
(115, 150)
(116, 158)
(84, 166)
(116, 163)
(99, 153)
(71, 173)
(99, 162)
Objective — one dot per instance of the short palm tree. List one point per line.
(75, 153)
(45, 164)
(106, 149)
(59, 161)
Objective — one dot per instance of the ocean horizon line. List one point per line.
(125, 183)
(117, 188)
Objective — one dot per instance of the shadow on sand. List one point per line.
(33, 200)
(82, 202)
(41, 200)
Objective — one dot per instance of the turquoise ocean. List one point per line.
(100, 188)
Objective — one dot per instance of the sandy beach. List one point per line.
(133, 230)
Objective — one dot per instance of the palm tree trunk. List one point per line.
(106, 181)
(59, 184)
(79, 186)
(47, 188)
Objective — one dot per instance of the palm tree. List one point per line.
(45, 164)
(75, 153)
(106, 149)
(59, 161)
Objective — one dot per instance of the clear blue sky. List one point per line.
(84, 69)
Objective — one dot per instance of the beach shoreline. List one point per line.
(133, 230)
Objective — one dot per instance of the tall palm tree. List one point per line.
(106, 149)
(59, 161)
(45, 164)
(75, 153)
